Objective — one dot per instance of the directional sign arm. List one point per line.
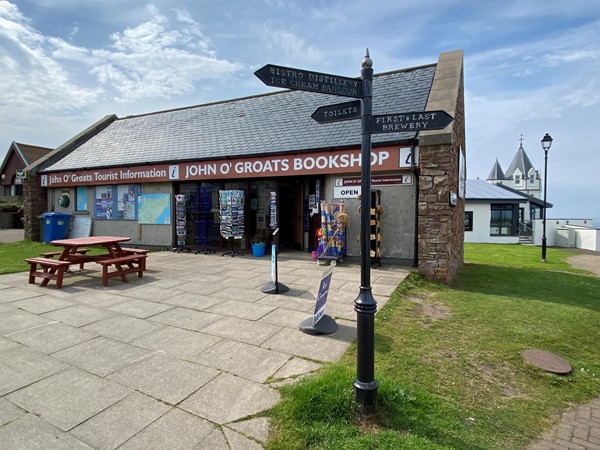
(411, 121)
(306, 80)
(338, 112)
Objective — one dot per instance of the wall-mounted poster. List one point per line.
(103, 203)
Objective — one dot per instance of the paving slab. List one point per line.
(17, 320)
(297, 303)
(153, 291)
(176, 342)
(245, 360)
(32, 433)
(13, 294)
(79, 315)
(167, 379)
(284, 317)
(296, 367)
(241, 309)
(189, 319)
(242, 330)
(243, 398)
(237, 441)
(22, 366)
(42, 304)
(9, 412)
(176, 429)
(122, 328)
(101, 356)
(121, 421)
(193, 300)
(239, 293)
(295, 342)
(257, 428)
(215, 441)
(68, 398)
(140, 308)
(5, 344)
(51, 337)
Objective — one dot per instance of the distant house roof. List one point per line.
(23, 154)
(496, 173)
(264, 124)
(520, 161)
(479, 190)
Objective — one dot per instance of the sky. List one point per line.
(531, 67)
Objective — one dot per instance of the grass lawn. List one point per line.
(13, 254)
(449, 364)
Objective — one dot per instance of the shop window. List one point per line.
(116, 202)
(502, 220)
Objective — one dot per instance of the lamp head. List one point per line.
(546, 142)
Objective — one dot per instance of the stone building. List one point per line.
(162, 177)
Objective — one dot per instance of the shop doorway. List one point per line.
(290, 214)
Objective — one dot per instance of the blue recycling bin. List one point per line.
(56, 226)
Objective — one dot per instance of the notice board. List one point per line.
(81, 226)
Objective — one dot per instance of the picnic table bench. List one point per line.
(51, 269)
(134, 251)
(79, 251)
(123, 265)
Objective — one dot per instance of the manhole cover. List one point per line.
(547, 361)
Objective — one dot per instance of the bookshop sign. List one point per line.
(387, 158)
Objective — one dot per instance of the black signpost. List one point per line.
(365, 385)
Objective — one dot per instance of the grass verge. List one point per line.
(449, 364)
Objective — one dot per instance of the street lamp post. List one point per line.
(546, 144)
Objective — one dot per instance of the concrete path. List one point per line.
(184, 358)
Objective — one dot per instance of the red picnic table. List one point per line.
(74, 252)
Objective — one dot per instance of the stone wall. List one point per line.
(441, 225)
(35, 202)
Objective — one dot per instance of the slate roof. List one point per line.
(31, 153)
(520, 161)
(273, 123)
(482, 190)
(496, 173)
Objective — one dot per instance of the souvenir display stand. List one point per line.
(231, 216)
(332, 235)
(180, 223)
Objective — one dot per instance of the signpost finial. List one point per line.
(367, 62)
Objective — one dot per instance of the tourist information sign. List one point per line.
(337, 113)
(411, 121)
(305, 80)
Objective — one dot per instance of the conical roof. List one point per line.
(496, 173)
(520, 161)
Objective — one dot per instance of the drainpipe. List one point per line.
(415, 173)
